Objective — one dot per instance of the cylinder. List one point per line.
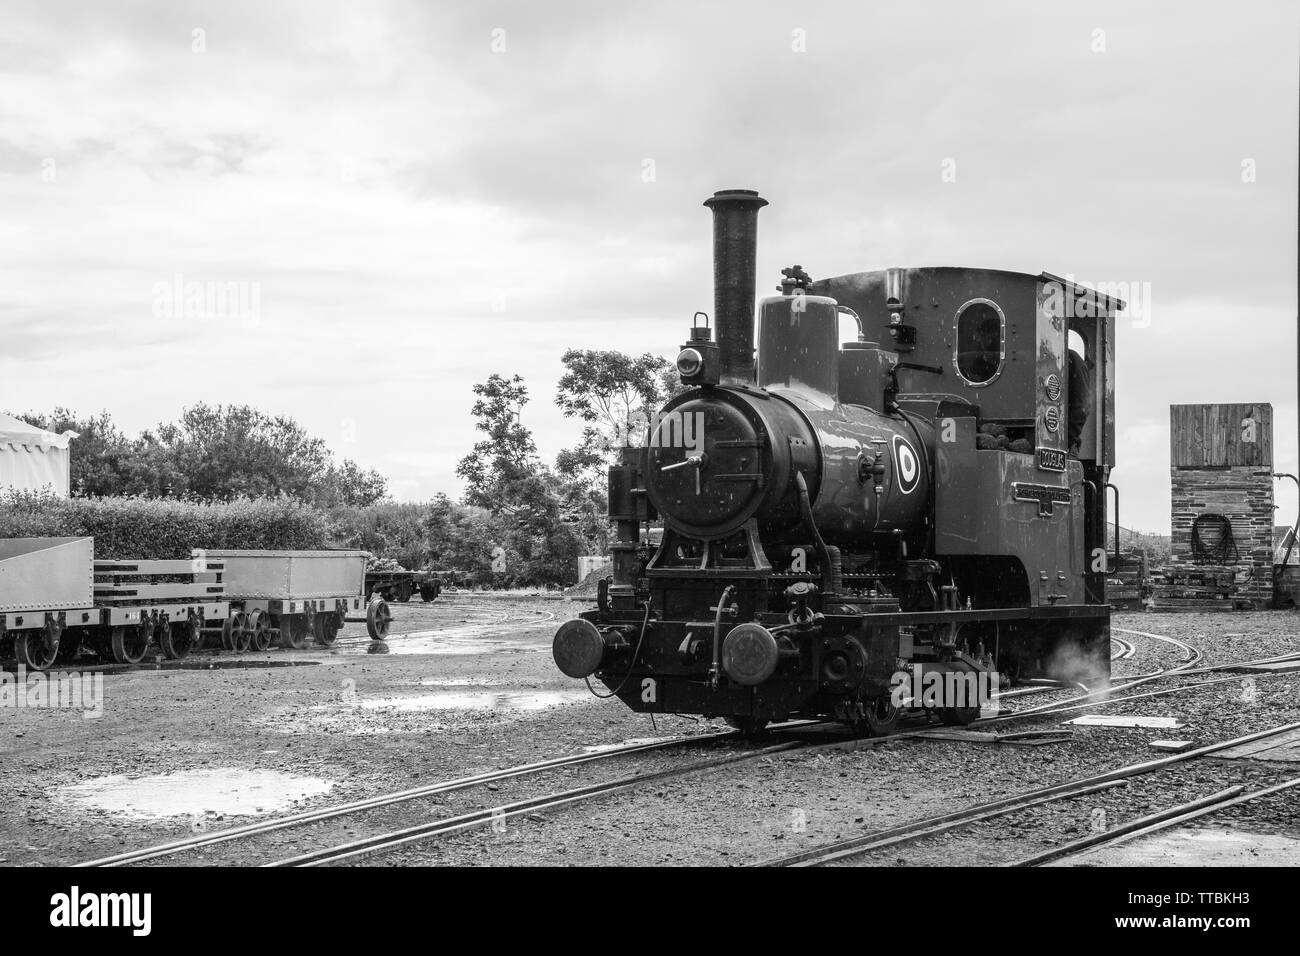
(735, 250)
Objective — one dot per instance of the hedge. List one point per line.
(155, 528)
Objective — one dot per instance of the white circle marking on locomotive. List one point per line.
(907, 465)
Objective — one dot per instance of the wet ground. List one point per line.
(1211, 846)
(468, 685)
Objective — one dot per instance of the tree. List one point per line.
(227, 452)
(613, 392)
(500, 464)
(616, 396)
(348, 484)
(534, 543)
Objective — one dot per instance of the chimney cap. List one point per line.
(737, 195)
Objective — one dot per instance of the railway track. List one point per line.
(256, 828)
(1155, 822)
(432, 829)
(1186, 668)
(930, 826)
(386, 842)
(1194, 654)
(1105, 696)
(1122, 650)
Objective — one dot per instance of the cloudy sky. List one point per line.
(423, 193)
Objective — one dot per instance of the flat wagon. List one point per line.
(402, 585)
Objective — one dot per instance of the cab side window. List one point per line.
(981, 342)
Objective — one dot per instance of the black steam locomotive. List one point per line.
(924, 492)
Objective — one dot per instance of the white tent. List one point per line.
(32, 458)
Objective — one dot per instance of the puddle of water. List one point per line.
(484, 700)
(451, 643)
(458, 682)
(1209, 847)
(227, 791)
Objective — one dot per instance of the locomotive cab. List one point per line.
(1016, 371)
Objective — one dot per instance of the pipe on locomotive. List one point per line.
(735, 253)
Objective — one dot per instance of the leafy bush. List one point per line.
(156, 528)
(492, 551)
(392, 531)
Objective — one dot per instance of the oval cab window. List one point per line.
(980, 346)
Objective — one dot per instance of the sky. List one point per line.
(401, 198)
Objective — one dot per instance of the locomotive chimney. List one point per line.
(735, 248)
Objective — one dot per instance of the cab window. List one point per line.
(980, 342)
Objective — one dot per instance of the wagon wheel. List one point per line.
(294, 630)
(240, 632)
(327, 627)
(179, 638)
(37, 650)
(258, 628)
(162, 627)
(129, 644)
(232, 629)
(429, 592)
(402, 592)
(378, 617)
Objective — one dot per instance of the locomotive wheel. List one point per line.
(37, 650)
(129, 644)
(751, 728)
(258, 629)
(378, 618)
(879, 718)
(178, 639)
(327, 628)
(294, 631)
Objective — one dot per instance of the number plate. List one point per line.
(1051, 459)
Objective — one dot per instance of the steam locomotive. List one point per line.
(910, 476)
